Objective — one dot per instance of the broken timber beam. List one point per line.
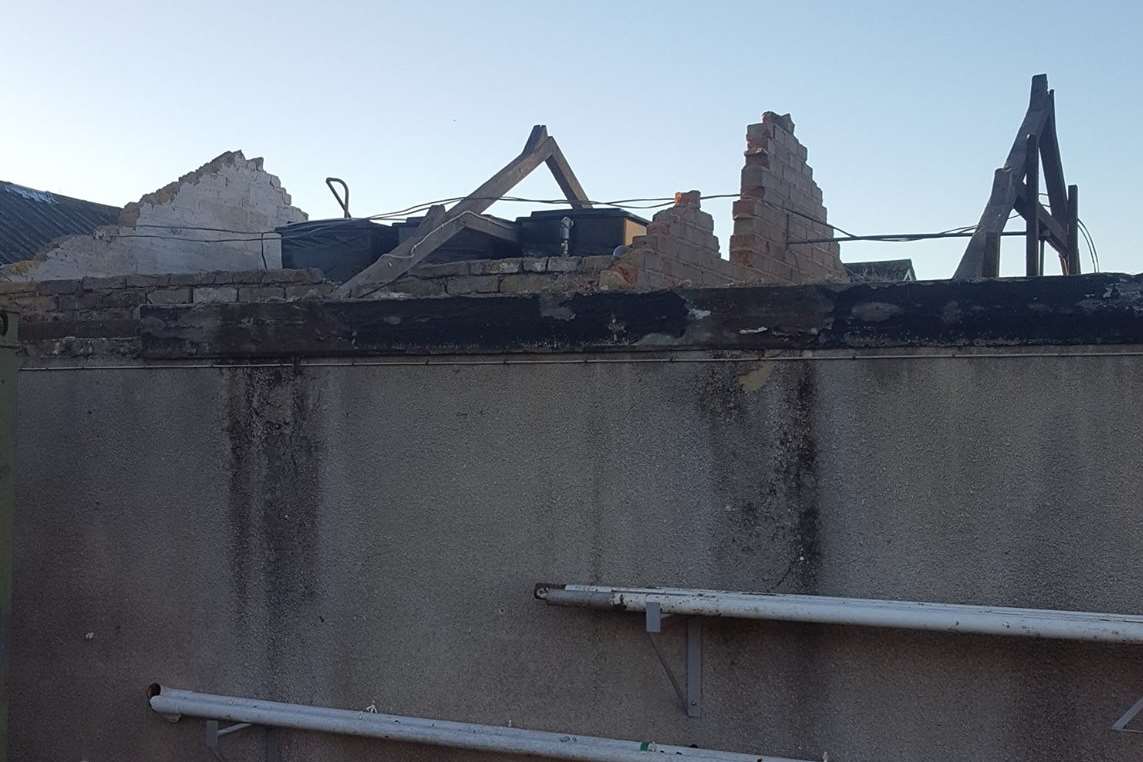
(1036, 140)
(436, 229)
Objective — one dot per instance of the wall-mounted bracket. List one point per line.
(690, 694)
(216, 730)
(1121, 724)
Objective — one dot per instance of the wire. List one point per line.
(198, 227)
(1091, 248)
(255, 239)
(805, 216)
(642, 203)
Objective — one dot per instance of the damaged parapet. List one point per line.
(780, 203)
(207, 220)
(680, 248)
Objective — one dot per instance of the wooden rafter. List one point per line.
(1016, 187)
(439, 225)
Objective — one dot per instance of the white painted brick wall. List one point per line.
(231, 192)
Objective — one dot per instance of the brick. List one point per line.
(527, 282)
(9, 288)
(691, 198)
(191, 279)
(123, 297)
(759, 132)
(309, 291)
(58, 286)
(534, 264)
(107, 314)
(418, 286)
(169, 296)
(145, 281)
(746, 208)
(445, 270)
(261, 293)
(211, 294)
(277, 277)
(756, 177)
(244, 277)
(563, 264)
(595, 263)
(473, 284)
(103, 284)
(494, 266)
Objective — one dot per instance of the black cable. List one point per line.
(805, 216)
(198, 227)
(189, 240)
(1092, 250)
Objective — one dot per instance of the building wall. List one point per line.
(161, 233)
(355, 535)
(780, 202)
(680, 248)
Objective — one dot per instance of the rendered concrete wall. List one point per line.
(162, 232)
(370, 535)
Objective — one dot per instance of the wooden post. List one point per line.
(1032, 186)
(990, 266)
(1073, 257)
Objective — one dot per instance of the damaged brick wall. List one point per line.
(514, 275)
(162, 232)
(780, 202)
(680, 248)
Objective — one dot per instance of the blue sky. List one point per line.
(906, 107)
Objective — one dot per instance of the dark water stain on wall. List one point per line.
(764, 452)
(239, 390)
(273, 433)
(767, 537)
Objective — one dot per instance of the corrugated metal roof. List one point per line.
(30, 219)
(885, 271)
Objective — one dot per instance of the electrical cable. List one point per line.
(1092, 250)
(402, 215)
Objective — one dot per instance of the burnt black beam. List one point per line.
(1006, 182)
(1053, 168)
(1032, 263)
(1090, 309)
(1073, 258)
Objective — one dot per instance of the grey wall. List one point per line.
(347, 536)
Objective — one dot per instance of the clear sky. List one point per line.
(906, 108)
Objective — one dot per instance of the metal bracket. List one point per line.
(1122, 723)
(691, 698)
(215, 731)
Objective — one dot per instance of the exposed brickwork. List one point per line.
(486, 277)
(181, 227)
(78, 317)
(680, 248)
(780, 202)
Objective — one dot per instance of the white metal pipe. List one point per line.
(459, 735)
(914, 615)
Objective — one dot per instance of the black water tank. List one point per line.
(594, 231)
(339, 248)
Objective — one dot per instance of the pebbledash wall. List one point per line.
(348, 504)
